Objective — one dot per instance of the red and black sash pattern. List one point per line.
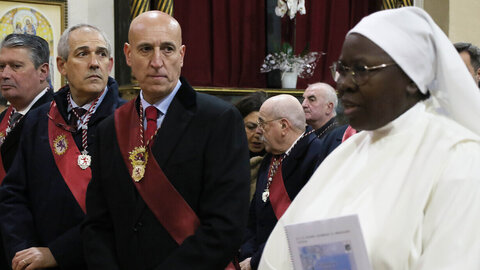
(3, 134)
(279, 198)
(66, 153)
(167, 204)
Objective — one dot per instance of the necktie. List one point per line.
(73, 116)
(13, 120)
(151, 113)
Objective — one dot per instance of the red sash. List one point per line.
(170, 208)
(3, 134)
(65, 153)
(349, 132)
(278, 194)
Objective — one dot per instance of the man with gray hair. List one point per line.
(42, 199)
(319, 104)
(293, 155)
(24, 72)
(471, 57)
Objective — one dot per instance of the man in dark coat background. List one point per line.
(170, 188)
(25, 70)
(42, 199)
(293, 156)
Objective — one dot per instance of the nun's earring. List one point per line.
(412, 88)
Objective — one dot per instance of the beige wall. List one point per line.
(95, 12)
(459, 19)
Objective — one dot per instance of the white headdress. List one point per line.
(427, 56)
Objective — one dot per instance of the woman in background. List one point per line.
(249, 107)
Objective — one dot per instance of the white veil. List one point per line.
(413, 40)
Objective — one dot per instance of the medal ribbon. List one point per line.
(168, 206)
(86, 119)
(3, 129)
(278, 194)
(65, 153)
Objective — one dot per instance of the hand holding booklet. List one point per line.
(329, 244)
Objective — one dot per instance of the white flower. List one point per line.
(301, 7)
(292, 6)
(281, 8)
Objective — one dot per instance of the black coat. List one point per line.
(202, 149)
(37, 209)
(297, 168)
(8, 151)
(10, 145)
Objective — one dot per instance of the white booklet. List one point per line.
(329, 244)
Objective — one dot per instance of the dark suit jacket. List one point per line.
(330, 141)
(202, 149)
(10, 145)
(296, 171)
(37, 209)
(8, 150)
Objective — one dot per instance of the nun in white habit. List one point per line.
(413, 174)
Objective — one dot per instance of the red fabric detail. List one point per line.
(226, 40)
(171, 210)
(76, 178)
(278, 194)
(3, 129)
(151, 114)
(348, 133)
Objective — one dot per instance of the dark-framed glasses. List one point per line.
(360, 73)
(261, 123)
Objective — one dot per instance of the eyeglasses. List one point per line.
(360, 74)
(261, 123)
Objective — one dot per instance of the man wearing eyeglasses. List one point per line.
(293, 155)
(470, 55)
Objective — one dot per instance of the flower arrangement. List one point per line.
(303, 64)
(292, 6)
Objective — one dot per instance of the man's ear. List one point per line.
(43, 71)
(330, 108)
(127, 51)
(478, 74)
(61, 66)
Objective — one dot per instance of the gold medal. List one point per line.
(138, 158)
(138, 172)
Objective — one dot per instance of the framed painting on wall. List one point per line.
(42, 18)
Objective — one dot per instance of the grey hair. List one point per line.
(287, 106)
(472, 50)
(63, 44)
(38, 47)
(328, 92)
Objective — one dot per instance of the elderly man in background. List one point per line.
(293, 155)
(42, 199)
(319, 104)
(471, 57)
(24, 79)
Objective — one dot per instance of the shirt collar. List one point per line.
(39, 95)
(163, 104)
(87, 105)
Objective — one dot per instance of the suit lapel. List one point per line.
(177, 119)
(14, 137)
